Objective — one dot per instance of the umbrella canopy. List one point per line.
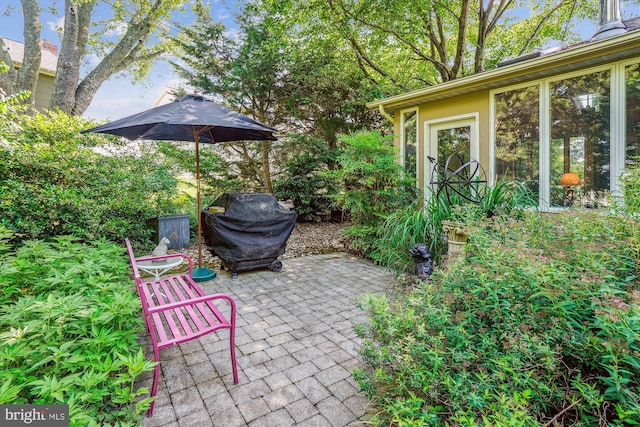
(190, 118)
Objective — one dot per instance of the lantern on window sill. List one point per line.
(569, 180)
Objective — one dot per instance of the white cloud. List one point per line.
(56, 26)
(92, 59)
(119, 30)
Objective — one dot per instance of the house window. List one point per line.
(580, 140)
(408, 145)
(517, 137)
(632, 146)
(454, 140)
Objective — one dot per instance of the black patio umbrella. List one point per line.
(190, 118)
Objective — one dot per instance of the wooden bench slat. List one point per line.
(163, 297)
(178, 287)
(178, 313)
(204, 308)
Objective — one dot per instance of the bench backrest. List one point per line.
(143, 286)
(132, 260)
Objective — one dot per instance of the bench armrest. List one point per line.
(184, 303)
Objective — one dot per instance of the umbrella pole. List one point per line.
(197, 137)
(201, 273)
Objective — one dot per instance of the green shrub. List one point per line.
(54, 181)
(631, 190)
(371, 186)
(408, 226)
(540, 326)
(304, 183)
(69, 322)
(11, 108)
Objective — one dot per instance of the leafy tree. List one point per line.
(133, 50)
(405, 44)
(242, 71)
(304, 181)
(295, 85)
(215, 177)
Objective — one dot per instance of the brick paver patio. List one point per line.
(296, 349)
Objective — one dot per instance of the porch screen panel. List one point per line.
(517, 137)
(410, 135)
(580, 137)
(632, 140)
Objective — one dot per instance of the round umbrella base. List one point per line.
(202, 274)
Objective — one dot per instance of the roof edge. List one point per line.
(475, 79)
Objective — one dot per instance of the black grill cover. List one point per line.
(253, 226)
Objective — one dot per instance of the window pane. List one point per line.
(517, 138)
(580, 138)
(454, 140)
(410, 148)
(632, 149)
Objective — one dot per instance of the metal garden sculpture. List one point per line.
(457, 178)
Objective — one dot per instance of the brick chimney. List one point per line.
(610, 21)
(48, 45)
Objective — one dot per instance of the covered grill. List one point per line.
(247, 230)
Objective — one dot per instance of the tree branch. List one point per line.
(565, 410)
(544, 19)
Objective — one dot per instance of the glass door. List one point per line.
(451, 144)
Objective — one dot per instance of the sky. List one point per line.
(117, 97)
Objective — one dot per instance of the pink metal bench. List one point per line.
(177, 310)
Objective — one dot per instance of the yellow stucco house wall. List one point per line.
(533, 119)
(48, 64)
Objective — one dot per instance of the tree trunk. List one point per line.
(7, 79)
(461, 40)
(72, 95)
(486, 25)
(27, 77)
(68, 70)
(266, 169)
(123, 55)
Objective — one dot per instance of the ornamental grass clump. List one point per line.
(421, 221)
(68, 329)
(540, 327)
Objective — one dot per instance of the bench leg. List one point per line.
(156, 374)
(234, 364)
